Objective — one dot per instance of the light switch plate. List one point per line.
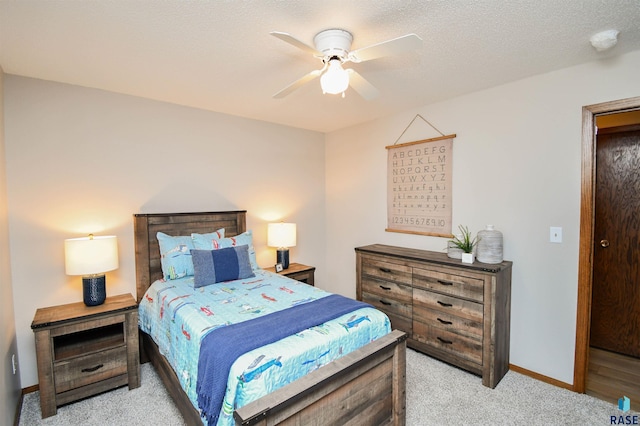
(555, 234)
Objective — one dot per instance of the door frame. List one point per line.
(587, 222)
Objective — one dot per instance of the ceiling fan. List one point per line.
(333, 48)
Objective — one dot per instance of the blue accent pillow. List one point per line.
(209, 242)
(175, 254)
(225, 264)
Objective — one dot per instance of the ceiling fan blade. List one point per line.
(386, 48)
(362, 86)
(295, 42)
(298, 83)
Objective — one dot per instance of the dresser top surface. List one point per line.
(432, 256)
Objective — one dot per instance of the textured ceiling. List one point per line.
(219, 56)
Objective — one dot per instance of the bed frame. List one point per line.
(366, 386)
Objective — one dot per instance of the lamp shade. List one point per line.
(281, 234)
(90, 255)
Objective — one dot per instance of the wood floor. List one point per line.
(613, 375)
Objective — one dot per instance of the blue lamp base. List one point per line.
(282, 256)
(94, 290)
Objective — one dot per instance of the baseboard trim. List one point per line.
(24, 391)
(541, 377)
(30, 389)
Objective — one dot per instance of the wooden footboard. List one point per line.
(366, 386)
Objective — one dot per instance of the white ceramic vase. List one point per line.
(489, 248)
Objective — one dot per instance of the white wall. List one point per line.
(10, 390)
(516, 160)
(82, 160)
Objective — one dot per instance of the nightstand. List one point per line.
(299, 272)
(85, 350)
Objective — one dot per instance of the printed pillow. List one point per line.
(175, 254)
(225, 264)
(208, 242)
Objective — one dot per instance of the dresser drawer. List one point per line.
(450, 305)
(387, 289)
(399, 313)
(400, 323)
(469, 287)
(84, 370)
(387, 271)
(388, 305)
(449, 322)
(462, 347)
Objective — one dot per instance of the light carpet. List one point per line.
(437, 394)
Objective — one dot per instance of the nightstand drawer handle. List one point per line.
(446, 305)
(387, 270)
(385, 303)
(444, 322)
(385, 288)
(445, 282)
(92, 369)
(446, 342)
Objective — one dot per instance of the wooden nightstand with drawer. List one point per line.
(85, 350)
(298, 272)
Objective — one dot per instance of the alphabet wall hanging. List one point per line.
(419, 185)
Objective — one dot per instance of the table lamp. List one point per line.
(91, 257)
(282, 235)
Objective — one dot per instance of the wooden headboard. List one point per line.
(145, 227)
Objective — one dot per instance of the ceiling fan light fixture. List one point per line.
(333, 48)
(336, 79)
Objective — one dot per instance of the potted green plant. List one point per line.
(464, 242)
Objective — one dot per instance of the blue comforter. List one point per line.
(214, 364)
(178, 317)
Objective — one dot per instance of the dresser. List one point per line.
(453, 311)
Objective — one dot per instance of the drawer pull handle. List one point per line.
(385, 303)
(445, 282)
(445, 341)
(385, 288)
(444, 322)
(92, 369)
(387, 270)
(446, 305)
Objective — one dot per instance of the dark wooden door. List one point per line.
(615, 308)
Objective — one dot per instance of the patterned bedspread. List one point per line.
(177, 317)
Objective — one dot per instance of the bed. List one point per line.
(365, 386)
